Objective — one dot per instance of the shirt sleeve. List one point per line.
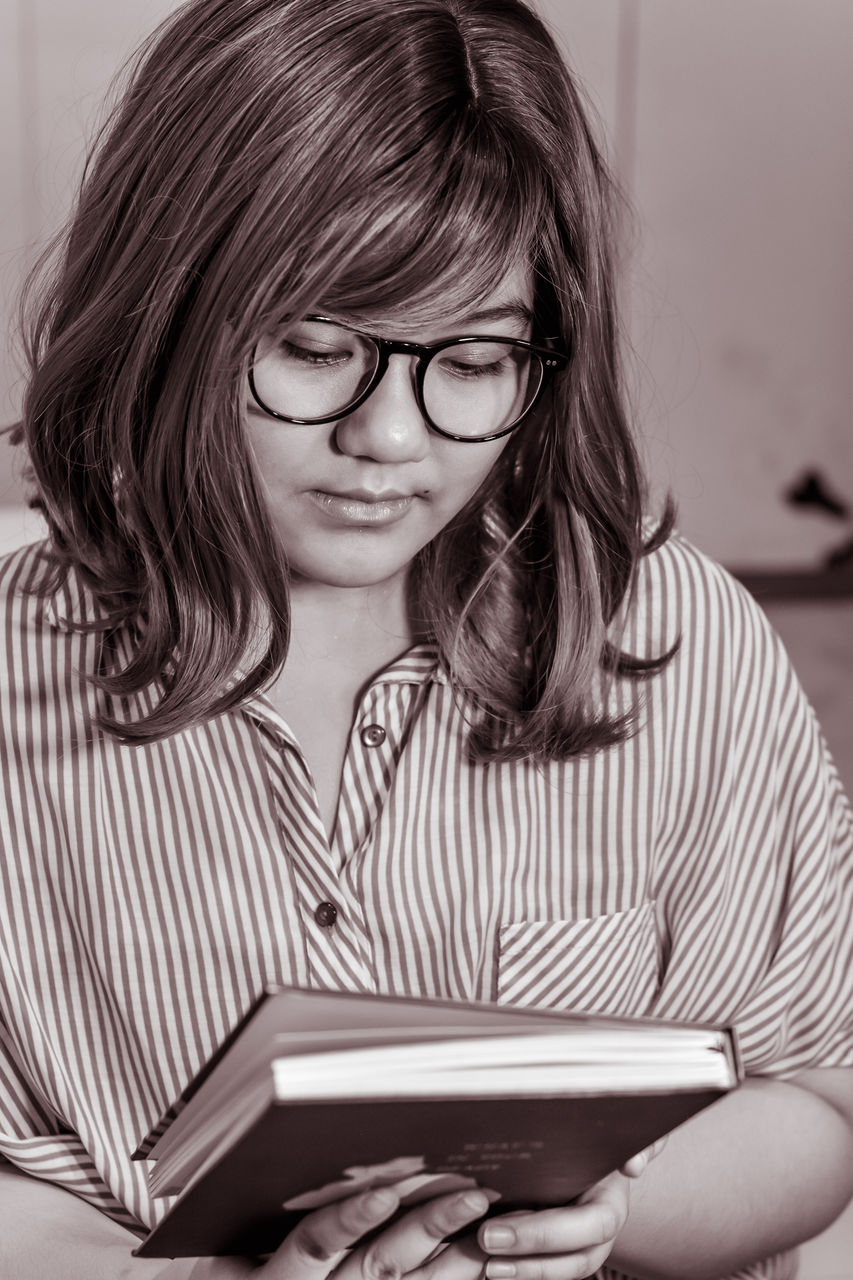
(34, 1141)
(800, 1014)
(756, 836)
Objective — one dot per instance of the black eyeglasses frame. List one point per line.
(552, 361)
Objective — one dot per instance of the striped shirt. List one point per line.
(701, 870)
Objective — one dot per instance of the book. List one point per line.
(320, 1094)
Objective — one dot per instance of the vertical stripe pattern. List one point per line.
(703, 869)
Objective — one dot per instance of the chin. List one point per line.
(349, 575)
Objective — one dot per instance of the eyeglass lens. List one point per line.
(315, 369)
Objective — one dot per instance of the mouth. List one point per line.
(361, 507)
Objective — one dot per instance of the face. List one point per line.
(353, 501)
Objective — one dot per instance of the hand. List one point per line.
(558, 1244)
(332, 1239)
(561, 1244)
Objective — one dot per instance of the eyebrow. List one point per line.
(514, 309)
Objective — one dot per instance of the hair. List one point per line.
(268, 154)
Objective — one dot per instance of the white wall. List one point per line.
(729, 122)
(732, 122)
(57, 61)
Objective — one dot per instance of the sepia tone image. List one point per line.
(426, 702)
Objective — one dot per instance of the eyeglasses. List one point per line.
(467, 388)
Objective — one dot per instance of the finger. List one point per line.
(595, 1220)
(410, 1241)
(321, 1239)
(554, 1266)
(461, 1260)
(638, 1164)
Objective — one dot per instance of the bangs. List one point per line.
(443, 230)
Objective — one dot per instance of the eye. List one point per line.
(320, 356)
(467, 369)
(472, 361)
(310, 344)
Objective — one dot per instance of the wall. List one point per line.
(57, 61)
(731, 128)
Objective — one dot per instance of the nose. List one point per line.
(388, 426)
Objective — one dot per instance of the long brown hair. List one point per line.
(272, 154)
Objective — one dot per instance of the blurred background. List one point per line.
(729, 127)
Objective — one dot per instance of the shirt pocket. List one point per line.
(607, 964)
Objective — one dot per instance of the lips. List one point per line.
(366, 495)
(362, 507)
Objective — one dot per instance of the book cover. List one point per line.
(320, 1095)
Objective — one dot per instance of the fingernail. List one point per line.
(497, 1236)
(497, 1269)
(380, 1201)
(474, 1202)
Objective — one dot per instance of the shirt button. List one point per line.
(373, 735)
(325, 913)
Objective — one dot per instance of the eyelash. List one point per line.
(311, 357)
(472, 371)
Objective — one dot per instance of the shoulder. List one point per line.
(678, 584)
(48, 703)
(25, 570)
(34, 593)
(684, 598)
(26, 576)
(728, 708)
(737, 725)
(47, 642)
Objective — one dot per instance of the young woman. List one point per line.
(352, 661)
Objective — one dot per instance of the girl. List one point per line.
(350, 660)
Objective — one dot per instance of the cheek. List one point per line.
(467, 470)
(262, 448)
(281, 455)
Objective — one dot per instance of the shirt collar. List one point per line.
(417, 666)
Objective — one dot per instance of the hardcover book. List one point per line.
(319, 1095)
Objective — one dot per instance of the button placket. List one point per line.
(368, 768)
(333, 952)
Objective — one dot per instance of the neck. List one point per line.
(349, 626)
